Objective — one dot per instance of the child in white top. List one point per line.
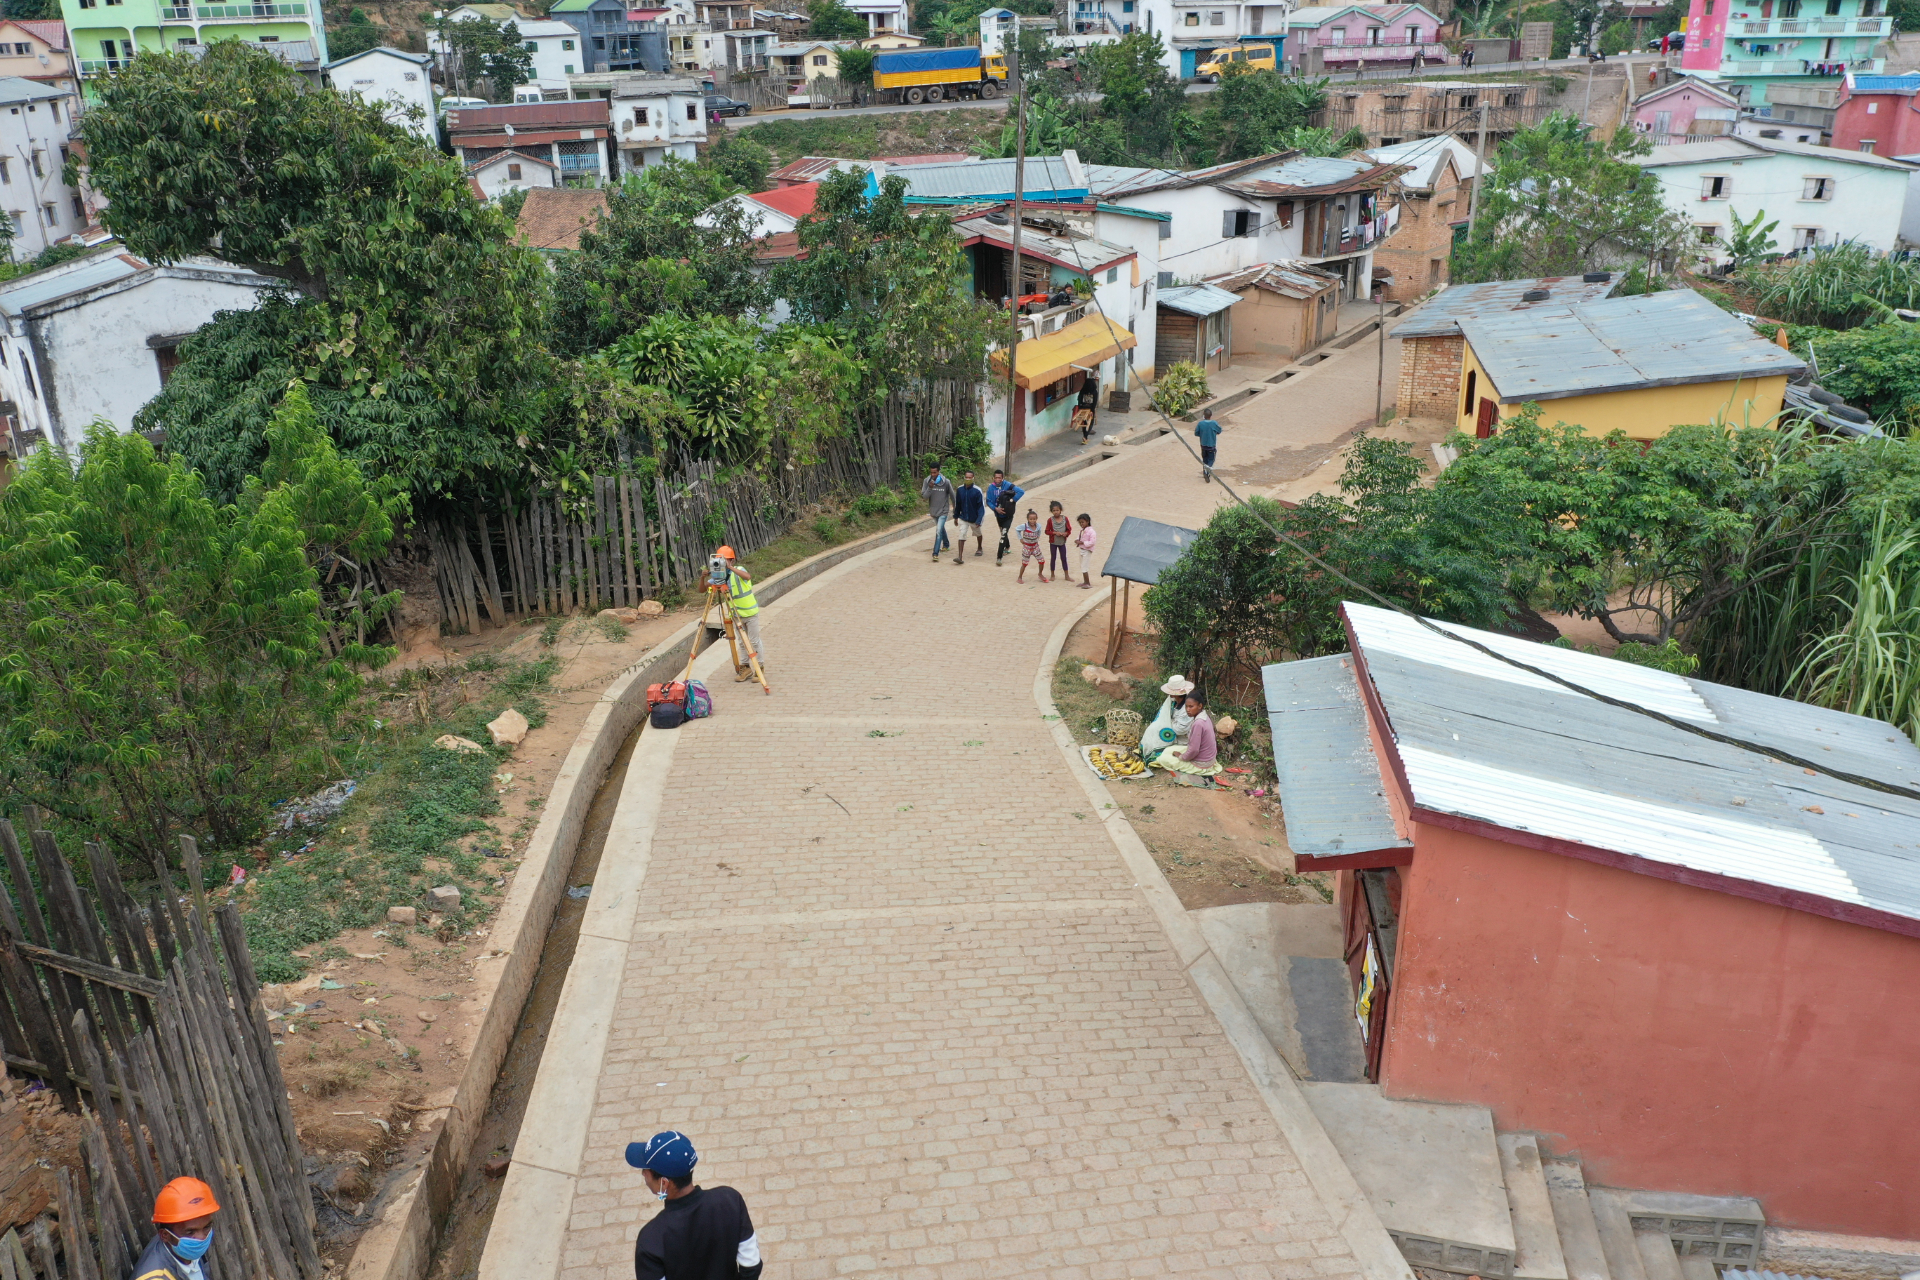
(1085, 540)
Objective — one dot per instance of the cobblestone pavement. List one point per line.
(893, 978)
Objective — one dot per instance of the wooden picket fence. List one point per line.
(146, 1020)
(622, 540)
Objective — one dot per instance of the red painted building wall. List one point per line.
(1673, 1038)
(1890, 120)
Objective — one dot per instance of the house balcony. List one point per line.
(1811, 27)
(1339, 242)
(176, 13)
(1379, 53)
(102, 66)
(1798, 66)
(251, 12)
(1052, 320)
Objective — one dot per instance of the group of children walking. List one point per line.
(1057, 531)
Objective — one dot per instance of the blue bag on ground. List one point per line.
(699, 701)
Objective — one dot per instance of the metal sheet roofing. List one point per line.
(1908, 83)
(1619, 344)
(991, 177)
(1196, 299)
(1291, 279)
(1483, 741)
(33, 290)
(1108, 179)
(1329, 777)
(1424, 157)
(1441, 315)
(1081, 253)
(1143, 548)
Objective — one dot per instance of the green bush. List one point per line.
(1181, 386)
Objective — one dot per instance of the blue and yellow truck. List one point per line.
(931, 75)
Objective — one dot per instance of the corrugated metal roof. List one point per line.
(1329, 778)
(1143, 548)
(1292, 279)
(1108, 179)
(1652, 340)
(1484, 741)
(1082, 253)
(989, 177)
(1441, 316)
(1908, 83)
(1196, 299)
(31, 291)
(1424, 156)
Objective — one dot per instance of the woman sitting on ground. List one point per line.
(1201, 759)
(1172, 723)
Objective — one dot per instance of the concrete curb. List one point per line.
(409, 1213)
(1346, 1204)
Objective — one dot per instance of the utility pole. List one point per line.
(1019, 200)
(1380, 366)
(1479, 164)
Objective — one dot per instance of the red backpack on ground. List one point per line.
(667, 704)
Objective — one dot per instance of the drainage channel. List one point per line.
(456, 1255)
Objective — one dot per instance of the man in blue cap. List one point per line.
(700, 1234)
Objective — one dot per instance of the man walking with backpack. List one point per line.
(938, 491)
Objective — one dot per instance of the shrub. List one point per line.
(1180, 387)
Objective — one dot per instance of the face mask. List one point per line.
(191, 1249)
(661, 1194)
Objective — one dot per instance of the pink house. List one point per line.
(1685, 111)
(1878, 115)
(1366, 34)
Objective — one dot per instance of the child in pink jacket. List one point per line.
(1085, 540)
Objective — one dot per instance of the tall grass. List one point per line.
(1870, 666)
(1825, 287)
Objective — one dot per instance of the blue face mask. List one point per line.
(191, 1249)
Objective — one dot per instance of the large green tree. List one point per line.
(480, 54)
(1559, 201)
(664, 244)
(409, 309)
(165, 660)
(832, 20)
(1256, 112)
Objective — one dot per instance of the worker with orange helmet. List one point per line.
(183, 1212)
(745, 607)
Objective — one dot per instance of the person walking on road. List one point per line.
(699, 1233)
(1059, 529)
(969, 513)
(1030, 547)
(183, 1213)
(1086, 540)
(1207, 432)
(1003, 499)
(938, 491)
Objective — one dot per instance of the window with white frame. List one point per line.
(1709, 232)
(1216, 17)
(1867, 145)
(1806, 237)
(1816, 188)
(1716, 187)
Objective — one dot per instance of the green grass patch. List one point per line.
(869, 513)
(867, 137)
(405, 830)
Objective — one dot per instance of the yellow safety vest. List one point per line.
(740, 593)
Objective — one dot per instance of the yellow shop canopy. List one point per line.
(1043, 361)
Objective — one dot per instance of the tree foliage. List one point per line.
(740, 160)
(417, 321)
(648, 255)
(1557, 201)
(163, 658)
(356, 35)
(1254, 112)
(478, 53)
(832, 20)
(1875, 368)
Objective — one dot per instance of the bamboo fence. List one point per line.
(623, 540)
(147, 1021)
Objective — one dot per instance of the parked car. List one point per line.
(721, 104)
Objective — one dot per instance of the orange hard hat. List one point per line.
(183, 1200)
(725, 553)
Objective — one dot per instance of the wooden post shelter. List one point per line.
(1140, 551)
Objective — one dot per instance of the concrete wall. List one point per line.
(495, 177)
(1272, 324)
(1195, 249)
(396, 84)
(1865, 204)
(29, 128)
(93, 361)
(1644, 413)
(1673, 1038)
(1890, 120)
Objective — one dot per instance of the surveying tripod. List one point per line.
(737, 639)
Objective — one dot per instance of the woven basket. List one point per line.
(1123, 728)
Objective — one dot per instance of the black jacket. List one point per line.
(703, 1235)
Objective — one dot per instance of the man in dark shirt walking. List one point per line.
(1207, 431)
(699, 1234)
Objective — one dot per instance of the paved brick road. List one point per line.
(895, 981)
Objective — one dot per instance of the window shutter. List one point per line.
(1226, 223)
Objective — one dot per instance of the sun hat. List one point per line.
(670, 1155)
(1178, 687)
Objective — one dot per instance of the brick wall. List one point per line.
(1417, 253)
(1430, 377)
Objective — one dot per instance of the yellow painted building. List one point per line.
(1640, 365)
